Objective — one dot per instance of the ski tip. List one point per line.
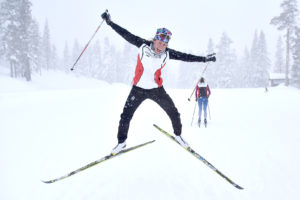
(239, 187)
(47, 182)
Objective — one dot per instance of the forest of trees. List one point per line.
(27, 48)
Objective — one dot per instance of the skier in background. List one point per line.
(147, 82)
(202, 95)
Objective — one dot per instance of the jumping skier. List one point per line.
(147, 82)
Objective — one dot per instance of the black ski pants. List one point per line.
(136, 96)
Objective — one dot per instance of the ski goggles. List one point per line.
(163, 35)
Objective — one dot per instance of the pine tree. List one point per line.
(126, 66)
(210, 70)
(35, 46)
(108, 68)
(244, 79)
(226, 63)
(296, 65)
(287, 21)
(75, 53)
(254, 60)
(279, 62)
(46, 47)
(96, 59)
(66, 58)
(54, 60)
(16, 21)
(263, 67)
(260, 63)
(2, 31)
(9, 32)
(210, 47)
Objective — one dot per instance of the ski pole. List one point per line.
(208, 56)
(86, 46)
(208, 110)
(193, 113)
(189, 99)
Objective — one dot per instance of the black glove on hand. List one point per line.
(210, 58)
(106, 16)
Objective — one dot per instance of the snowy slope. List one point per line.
(58, 123)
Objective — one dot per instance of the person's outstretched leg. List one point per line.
(160, 96)
(134, 100)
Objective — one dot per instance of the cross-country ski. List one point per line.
(110, 156)
(194, 153)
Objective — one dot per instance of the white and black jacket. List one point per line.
(149, 64)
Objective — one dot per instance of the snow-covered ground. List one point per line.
(58, 123)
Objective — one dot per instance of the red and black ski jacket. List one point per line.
(202, 90)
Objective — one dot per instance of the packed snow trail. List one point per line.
(58, 122)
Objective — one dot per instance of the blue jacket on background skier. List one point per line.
(147, 82)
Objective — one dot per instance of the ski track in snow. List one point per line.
(58, 123)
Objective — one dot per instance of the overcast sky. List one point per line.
(192, 22)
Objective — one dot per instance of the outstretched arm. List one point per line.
(129, 37)
(176, 55)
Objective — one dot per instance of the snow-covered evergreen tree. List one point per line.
(108, 70)
(210, 47)
(263, 65)
(126, 64)
(254, 59)
(260, 62)
(46, 47)
(16, 21)
(112, 69)
(210, 72)
(279, 61)
(96, 59)
(66, 58)
(226, 63)
(35, 46)
(287, 21)
(244, 77)
(254, 49)
(296, 65)
(54, 60)
(75, 53)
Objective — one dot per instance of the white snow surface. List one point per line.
(60, 122)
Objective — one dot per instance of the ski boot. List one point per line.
(118, 148)
(181, 141)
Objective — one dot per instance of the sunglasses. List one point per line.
(164, 36)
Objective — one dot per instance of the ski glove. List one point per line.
(210, 58)
(106, 16)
